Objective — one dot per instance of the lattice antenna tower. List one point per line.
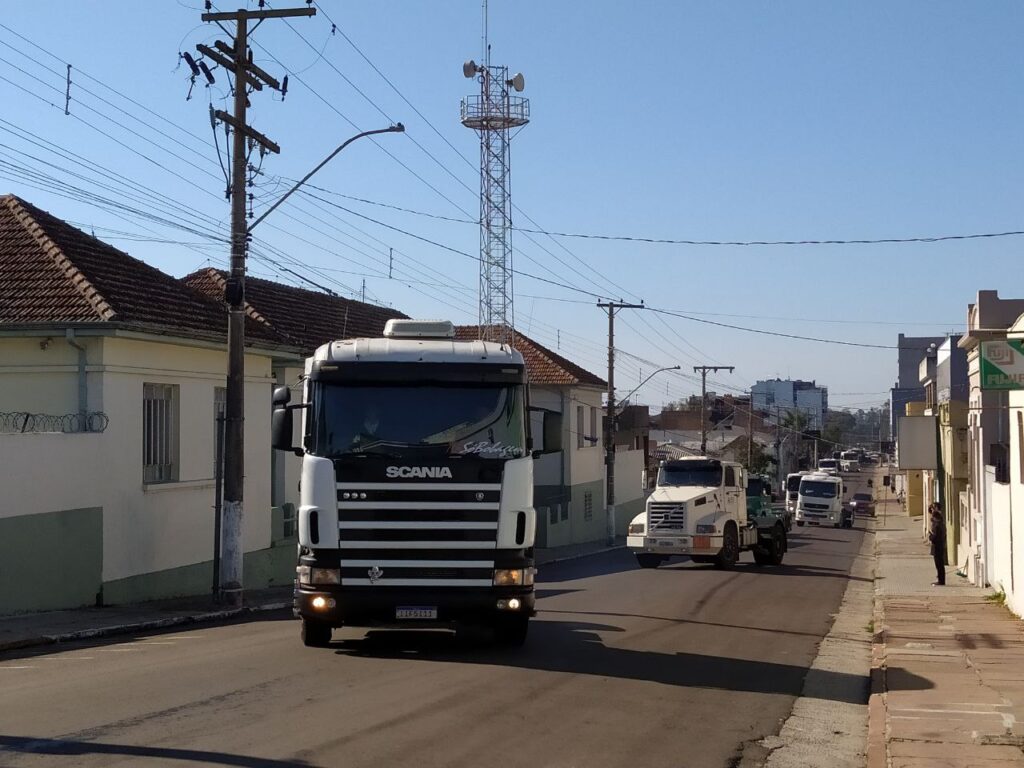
(493, 113)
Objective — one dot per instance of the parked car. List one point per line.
(862, 504)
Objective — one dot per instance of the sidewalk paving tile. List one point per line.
(952, 663)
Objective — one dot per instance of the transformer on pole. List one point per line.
(492, 114)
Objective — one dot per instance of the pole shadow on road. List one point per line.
(68, 748)
(774, 570)
(576, 648)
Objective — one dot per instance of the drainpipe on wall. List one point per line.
(83, 387)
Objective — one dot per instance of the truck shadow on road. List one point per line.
(73, 748)
(577, 648)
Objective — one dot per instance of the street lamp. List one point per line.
(397, 128)
(625, 401)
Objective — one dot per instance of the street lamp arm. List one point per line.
(619, 409)
(397, 128)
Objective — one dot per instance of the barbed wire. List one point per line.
(16, 422)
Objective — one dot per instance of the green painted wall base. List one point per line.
(51, 560)
(274, 566)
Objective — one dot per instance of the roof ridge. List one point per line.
(572, 368)
(60, 260)
(250, 310)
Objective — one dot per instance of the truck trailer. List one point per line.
(416, 494)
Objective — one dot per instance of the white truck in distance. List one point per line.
(699, 509)
(820, 500)
(828, 465)
(792, 491)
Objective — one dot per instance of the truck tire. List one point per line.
(511, 630)
(647, 560)
(726, 559)
(315, 634)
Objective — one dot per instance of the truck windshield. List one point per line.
(818, 489)
(827, 464)
(756, 487)
(702, 475)
(450, 420)
(793, 483)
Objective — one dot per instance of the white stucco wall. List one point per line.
(146, 528)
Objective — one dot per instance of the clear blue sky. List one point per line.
(708, 121)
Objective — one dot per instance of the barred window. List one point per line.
(593, 425)
(159, 433)
(220, 409)
(588, 505)
(580, 442)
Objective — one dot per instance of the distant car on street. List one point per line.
(862, 504)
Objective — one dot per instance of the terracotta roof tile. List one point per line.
(305, 318)
(51, 272)
(543, 365)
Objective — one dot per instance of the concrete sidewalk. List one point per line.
(948, 663)
(34, 629)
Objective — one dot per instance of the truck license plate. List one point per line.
(415, 612)
(666, 543)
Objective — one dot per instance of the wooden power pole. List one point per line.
(703, 371)
(609, 427)
(247, 77)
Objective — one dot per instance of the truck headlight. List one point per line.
(514, 577)
(310, 575)
(636, 529)
(705, 528)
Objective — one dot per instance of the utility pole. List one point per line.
(609, 427)
(703, 371)
(237, 59)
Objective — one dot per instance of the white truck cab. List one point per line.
(820, 499)
(699, 509)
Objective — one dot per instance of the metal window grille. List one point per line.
(159, 440)
(220, 406)
(593, 424)
(588, 505)
(579, 427)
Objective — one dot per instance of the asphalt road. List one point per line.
(679, 666)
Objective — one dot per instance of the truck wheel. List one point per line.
(315, 634)
(511, 630)
(647, 560)
(730, 552)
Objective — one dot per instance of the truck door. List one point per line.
(733, 490)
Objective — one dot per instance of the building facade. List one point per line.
(781, 396)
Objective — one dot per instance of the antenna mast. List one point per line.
(492, 114)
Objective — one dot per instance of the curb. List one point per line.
(877, 747)
(139, 626)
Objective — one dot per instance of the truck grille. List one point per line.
(666, 515)
(418, 534)
(812, 505)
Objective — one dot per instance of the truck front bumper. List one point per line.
(702, 544)
(380, 606)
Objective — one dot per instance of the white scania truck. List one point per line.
(416, 496)
(699, 509)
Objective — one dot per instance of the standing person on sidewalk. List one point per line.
(937, 536)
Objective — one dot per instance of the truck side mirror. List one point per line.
(282, 396)
(282, 422)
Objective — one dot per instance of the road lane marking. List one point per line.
(4, 666)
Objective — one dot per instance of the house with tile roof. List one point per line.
(569, 485)
(111, 376)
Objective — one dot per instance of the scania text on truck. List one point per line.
(699, 509)
(416, 494)
(820, 500)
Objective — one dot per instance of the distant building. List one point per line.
(789, 395)
(911, 350)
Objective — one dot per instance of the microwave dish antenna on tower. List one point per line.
(493, 113)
